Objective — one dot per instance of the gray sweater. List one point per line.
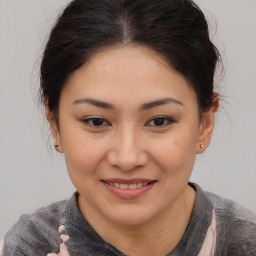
(218, 227)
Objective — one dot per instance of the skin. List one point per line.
(131, 144)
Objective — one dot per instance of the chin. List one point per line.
(130, 217)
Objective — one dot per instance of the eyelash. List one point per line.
(167, 121)
(89, 120)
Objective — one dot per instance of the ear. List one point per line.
(54, 128)
(207, 125)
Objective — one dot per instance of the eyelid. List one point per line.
(88, 119)
(169, 119)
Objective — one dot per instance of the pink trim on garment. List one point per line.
(63, 248)
(208, 247)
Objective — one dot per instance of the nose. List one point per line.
(127, 152)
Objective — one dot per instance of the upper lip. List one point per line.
(130, 181)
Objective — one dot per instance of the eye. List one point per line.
(160, 121)
(96, 122)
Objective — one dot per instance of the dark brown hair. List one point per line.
(176, 29)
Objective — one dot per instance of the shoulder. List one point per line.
(230, 211)
(36, 232)
(236, 227)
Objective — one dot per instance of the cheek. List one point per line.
(83, 161)
(83, 157)
(176, 154)
(82, 153)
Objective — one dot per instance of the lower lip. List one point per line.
(128, 193)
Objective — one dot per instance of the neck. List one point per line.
(160, 236)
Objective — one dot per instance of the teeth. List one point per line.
(124, 186)
(132, 186)
(128, 186)
(139, 185)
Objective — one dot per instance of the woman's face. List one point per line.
(129, 128)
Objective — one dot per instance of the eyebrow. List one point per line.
(97, 103)
(145, 106)
(159, 102)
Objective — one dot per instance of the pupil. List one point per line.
(97, 121)
(159, 121)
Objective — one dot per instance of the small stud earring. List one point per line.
(56, 145)
(201, 146)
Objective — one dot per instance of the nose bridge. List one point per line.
(128, 139)
(128, 151)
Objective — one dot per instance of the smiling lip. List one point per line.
(128, 189)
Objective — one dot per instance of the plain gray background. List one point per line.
(32, 176)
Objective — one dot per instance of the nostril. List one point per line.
(126, 162)
(112, 158)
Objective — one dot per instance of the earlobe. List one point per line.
(207, 126)
(54, 129)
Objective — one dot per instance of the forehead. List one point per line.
(129, 72)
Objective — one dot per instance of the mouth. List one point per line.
(129, 189)
(130, 186)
